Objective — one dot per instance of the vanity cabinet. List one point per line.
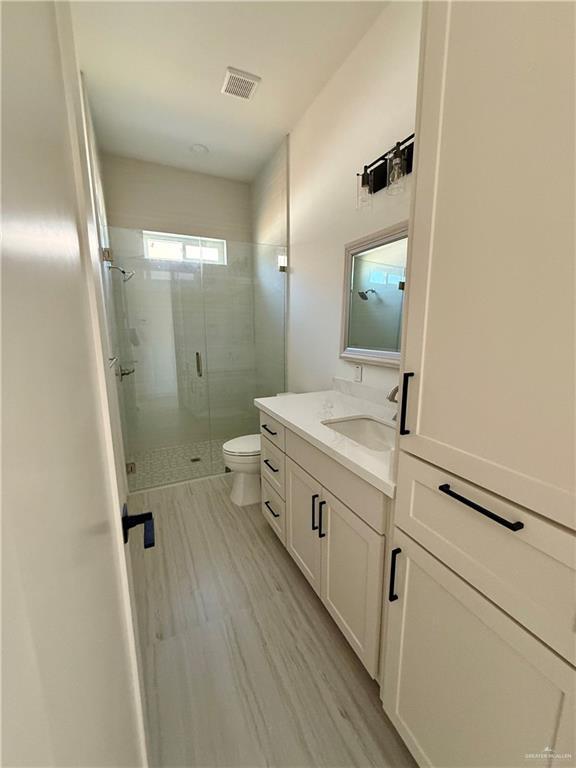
(490, 307)
(332, 522)
(341, 556)
(464, 684)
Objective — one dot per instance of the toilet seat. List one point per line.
(247, 445)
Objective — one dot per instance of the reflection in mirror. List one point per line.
(374, 290)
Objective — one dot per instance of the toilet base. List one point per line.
(245, 489)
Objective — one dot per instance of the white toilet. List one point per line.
(242, 456)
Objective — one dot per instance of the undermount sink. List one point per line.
(365, 430)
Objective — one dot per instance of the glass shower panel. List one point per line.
(164, 386)
(198, 341)
(230, 341)
(269, 319)
(244, 310)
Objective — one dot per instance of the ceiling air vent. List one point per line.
(240, 84)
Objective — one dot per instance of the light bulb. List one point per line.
(396, 172)
(363, 196)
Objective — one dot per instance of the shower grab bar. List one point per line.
(199, 364)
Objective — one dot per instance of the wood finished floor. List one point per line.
(242, 664)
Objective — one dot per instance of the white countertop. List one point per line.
(303, 414)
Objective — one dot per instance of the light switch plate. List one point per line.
(358, 373)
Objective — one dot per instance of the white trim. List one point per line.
(89, 249)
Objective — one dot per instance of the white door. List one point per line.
(303, 495)
(464, 684)
(70, 682)
(352, 557)
(490, 320)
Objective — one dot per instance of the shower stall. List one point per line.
(198, 333)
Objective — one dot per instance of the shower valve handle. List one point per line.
(126, 372)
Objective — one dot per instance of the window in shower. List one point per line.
(161, 246)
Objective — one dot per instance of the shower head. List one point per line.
(125, 275)
(364, 294)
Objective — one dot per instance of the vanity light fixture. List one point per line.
(387, 171)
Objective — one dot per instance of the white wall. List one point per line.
(141, 195)
(367, 106)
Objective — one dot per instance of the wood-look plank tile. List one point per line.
(243, 666)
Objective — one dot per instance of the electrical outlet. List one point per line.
(358, 373)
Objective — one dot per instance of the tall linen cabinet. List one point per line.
(479, 649)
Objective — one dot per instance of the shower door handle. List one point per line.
(199, 364)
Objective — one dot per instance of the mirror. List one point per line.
(374, 280)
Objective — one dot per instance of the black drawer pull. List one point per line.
(268, 506)
(404, 404)
(314, 523)
(265, 427)
(270, 466)
(517, 526)
(392, 586)
(321, 533)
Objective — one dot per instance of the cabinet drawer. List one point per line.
(272, 430)
(272, 466)
(530, 572)
(274, 510)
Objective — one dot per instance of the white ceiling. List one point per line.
(154, 71)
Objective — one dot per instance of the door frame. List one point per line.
(90, 254)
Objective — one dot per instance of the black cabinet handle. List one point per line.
(392, 586)
(130, 521)
(404, 404)
(268, 506)
(321, 506)
(517, 526)
(314, 524)
(270, 466)
(265, 427)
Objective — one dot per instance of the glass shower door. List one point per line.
(165, 399)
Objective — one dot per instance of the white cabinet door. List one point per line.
(302, 541)
(490, 317)
(463, 683)
(352, 557)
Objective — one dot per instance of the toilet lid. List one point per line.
(247, 445)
